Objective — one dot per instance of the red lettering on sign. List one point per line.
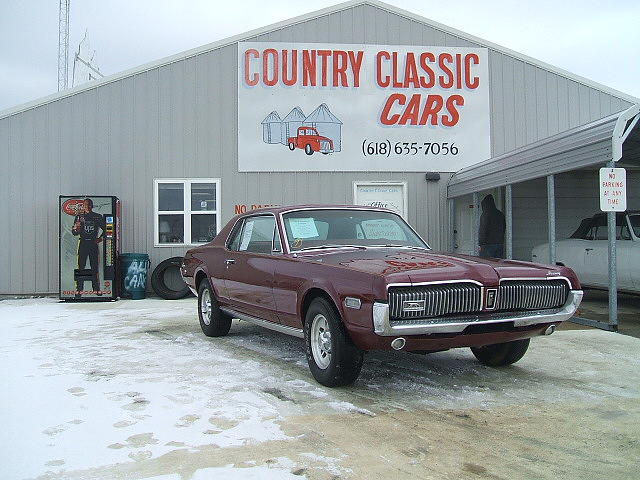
(253, 79)
(382, 81)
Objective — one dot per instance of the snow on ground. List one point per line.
(87, 385)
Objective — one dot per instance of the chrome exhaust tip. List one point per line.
(550, 329)
(398, 343)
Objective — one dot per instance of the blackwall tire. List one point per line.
(501, 354)
(308, 150)
(213, 321)
(292, 146)
(158, 284)
(325, 333)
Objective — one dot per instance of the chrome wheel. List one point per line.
(321, 341)
(205, 306)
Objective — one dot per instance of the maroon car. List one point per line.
(349, 279)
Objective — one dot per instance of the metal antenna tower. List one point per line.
(63, 45)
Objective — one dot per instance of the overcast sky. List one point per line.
(599, 40)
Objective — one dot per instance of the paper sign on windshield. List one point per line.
(382, 229)
(303, 228)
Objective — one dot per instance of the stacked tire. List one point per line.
(166, 280)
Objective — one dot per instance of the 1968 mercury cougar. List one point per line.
(350, 279)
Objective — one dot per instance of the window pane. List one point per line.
(170, 197)
(257, 234)
(203, 228)
(277, 246)
(635, 224)
(234, 242)
(170, 229)
(316, 228)
(203, 196)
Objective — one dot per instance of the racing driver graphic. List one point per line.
(86, 225)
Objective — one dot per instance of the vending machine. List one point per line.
(89, 243)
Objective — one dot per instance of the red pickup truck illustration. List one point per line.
(309, 139)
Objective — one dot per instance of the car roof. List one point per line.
(291, 208)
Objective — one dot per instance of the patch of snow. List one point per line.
(87, 385)
(229, 472)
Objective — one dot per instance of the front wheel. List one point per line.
(333, 358)
(213, 321)
(501, 354)
(292, 146)
(308, 150)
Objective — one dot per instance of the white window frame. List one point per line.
(187, 212)
(405, 194)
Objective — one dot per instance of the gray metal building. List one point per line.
(177, 119)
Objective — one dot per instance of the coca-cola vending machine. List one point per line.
(89, 242)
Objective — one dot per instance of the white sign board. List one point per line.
(340, 107)
(613, 189)
(391, 195)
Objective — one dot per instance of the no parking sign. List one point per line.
(613, 189)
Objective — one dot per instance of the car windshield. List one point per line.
(336, 228)
(635, 224)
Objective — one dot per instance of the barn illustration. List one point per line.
(327, 124)
(320, 131)
(271, 128)
(290, 124)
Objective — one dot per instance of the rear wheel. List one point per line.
(333, 358)
(213, 321)
(308, 150)
(501, 354)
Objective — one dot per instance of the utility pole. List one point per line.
(63, 45)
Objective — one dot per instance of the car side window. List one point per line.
(257, 234)
(277, 246)
(601, 233)
(234, 238)
(625, 234)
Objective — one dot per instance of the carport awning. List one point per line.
(614, 137)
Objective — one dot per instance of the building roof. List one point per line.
(303, 18)
(273, 117)
(295, 115)
(616, 137)
(322, 114)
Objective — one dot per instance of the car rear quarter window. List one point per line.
(256, 235)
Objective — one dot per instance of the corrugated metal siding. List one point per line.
(179, 120)
(576, 198)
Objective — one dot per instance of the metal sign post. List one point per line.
(613, 198)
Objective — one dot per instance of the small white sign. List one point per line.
(613, 189)
(391, 195)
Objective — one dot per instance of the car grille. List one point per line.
(325, 146)
(532, 295)
(431, 301)
(438, 300)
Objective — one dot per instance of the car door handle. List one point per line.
(229, 261)
(588, 249)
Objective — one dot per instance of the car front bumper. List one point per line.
(385, 327)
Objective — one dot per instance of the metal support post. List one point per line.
(476, 223)
(508, 217)
(551, 212)
(452, 225)
(613, 270)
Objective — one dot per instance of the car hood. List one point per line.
(415, 266)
